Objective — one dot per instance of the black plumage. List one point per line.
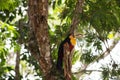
(61, 52)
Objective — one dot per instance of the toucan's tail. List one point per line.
(60, 58)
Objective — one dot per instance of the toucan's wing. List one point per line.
(61, 53)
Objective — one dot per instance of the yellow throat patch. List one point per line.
(72, 40)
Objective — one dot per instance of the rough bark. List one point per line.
(38, 14)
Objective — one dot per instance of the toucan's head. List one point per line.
(72, 39)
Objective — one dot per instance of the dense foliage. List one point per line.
(99, 23)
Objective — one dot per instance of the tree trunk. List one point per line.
(38, 14)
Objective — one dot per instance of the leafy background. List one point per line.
(99, 22)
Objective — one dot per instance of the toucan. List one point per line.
(71, 40)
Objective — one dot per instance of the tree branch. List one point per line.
(76, 18)
(107, 52)
(83, 71)
(104, 54)
(67, 62)
(74, 24)
(17, 72)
